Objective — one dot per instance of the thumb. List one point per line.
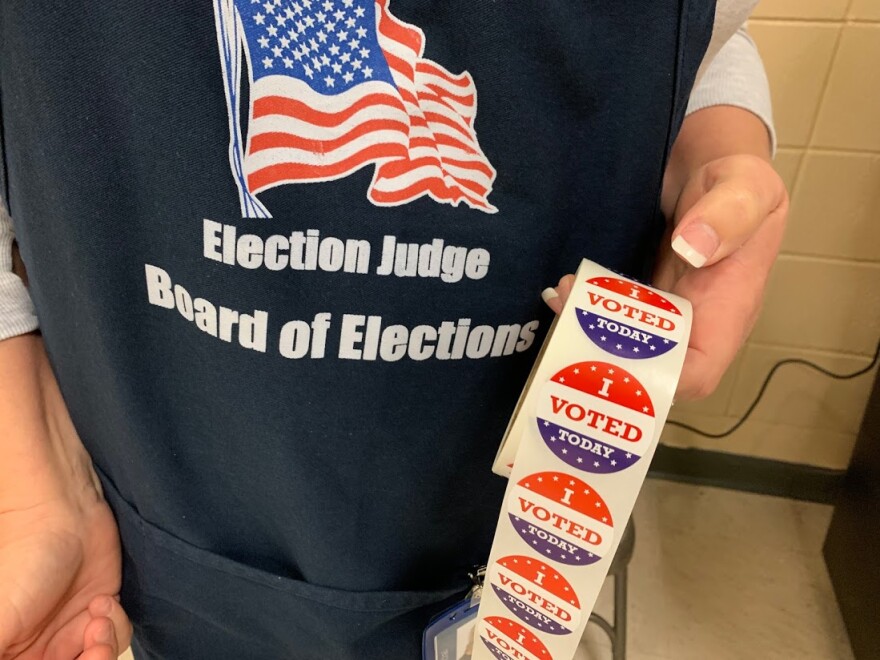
(723, 205)
(109, 608)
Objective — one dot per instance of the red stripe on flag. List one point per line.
(419, 188)
(397, 168)
(446, 94)
(437, 118)
(401, 66)
(450, 141)
(281, 105)
(461, 80)
(399, 31)
(289, 140)
(287, 172)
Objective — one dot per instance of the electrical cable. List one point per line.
(759, 396)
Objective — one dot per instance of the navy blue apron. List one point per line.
(296, 437)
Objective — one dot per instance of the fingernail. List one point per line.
(696, 244)
(549, 294)
(104, 634)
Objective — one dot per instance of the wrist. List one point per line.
(41, 457)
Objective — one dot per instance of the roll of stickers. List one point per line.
(577, 450)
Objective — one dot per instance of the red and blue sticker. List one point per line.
(509, 640)
(561, 517)
(628, 320)
(596, 417)
(536, 593)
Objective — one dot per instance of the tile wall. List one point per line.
(823, 301)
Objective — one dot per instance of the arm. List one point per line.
(17, 314)
(726, 208)
(59, 549)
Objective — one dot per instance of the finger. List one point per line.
(556, 297)
(732, 197)
(105, 606)
(99, 638)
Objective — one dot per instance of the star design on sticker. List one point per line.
(629, 455)
(613, 463)
(602, 338)
(555, 477)
(593, 368)
(619, 347)
(580, 460)
(564, 451)
(652, 347)
(595, 463)
(577, 371)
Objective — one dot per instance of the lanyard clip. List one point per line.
(478, 577)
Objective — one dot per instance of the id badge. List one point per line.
(450, 635)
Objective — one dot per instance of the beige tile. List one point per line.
(803, 9)
(786, 163)
(797, 57)
(821, 304)
(760, 439)
(727, 576)
(865, 10)
(836, 207)
(800, 396)
(848, 115)
(741, 442)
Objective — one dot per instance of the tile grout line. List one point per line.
(823, 352)
(821, 104)
(793, 20)
(830, 151)
(837, 261)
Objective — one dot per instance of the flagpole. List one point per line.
(229, 39)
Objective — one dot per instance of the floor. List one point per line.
(721, 575)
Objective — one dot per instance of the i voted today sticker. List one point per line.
(629, 320)
(509, 640)
(596, 417)
(536, 593)
(561, 518)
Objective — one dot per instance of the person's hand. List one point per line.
(60, 561)
(728, 225)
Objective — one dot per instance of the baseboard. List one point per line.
(746, 473)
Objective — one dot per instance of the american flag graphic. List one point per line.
(336, 85)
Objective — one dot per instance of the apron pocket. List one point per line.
(187, 603)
